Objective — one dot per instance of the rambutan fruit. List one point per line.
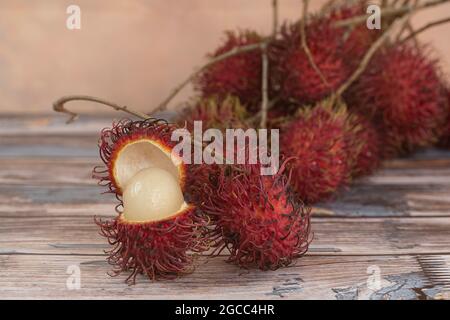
(215, 112)
(356, 40)
(294, 76)
(363, 144)
(159, 226)
(317, 140)
(444, 141)
(239, 75)
(257, 218)
(401, 90)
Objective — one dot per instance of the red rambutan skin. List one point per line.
(158, 250)
(257, 218)
(293, 74)
(215, 112)
(363, 146)
(401, 90)
(317, 140)
(445, 138)
(239, 75)
(112, 140)
(356, 41)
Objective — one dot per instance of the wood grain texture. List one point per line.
(396, 222)
(30, 276)
(70, 234)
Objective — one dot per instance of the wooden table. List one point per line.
(387, 237)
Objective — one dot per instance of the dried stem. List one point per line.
(226, 55)
(274, 18)
(305, 44)
(425, 27)
(58, 106)
(369, 54)
(264, 87)
(390, 12)
(407, 25)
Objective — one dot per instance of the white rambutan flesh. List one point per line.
(153, 194)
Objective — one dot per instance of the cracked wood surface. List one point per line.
(393, 226)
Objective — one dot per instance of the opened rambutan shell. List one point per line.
(159, 226)
(317, 140)
(239, 75)
(401, 90)
(294, 76)
(258, 218)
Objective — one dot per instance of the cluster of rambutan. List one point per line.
(398, 104)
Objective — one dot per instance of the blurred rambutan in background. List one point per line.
(239, 75)
(445, 138)
(293, 75)
(356, 40)
(402, 91)
(364, 146)
(214, 112)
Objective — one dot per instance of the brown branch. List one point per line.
(390, 12)
(407, 25)
(369, 54)
(425, 27)
(226, 55)
(305, 44)
(265, 68)
(264, 87)
(58, 106)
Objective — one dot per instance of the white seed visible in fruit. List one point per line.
(152, 194)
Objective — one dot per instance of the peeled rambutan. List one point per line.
(257, 218)
(215, 112)
(239, 75)
(317, 139)
(159, 225)
(363, 144)
(401, 89)
(294, 76)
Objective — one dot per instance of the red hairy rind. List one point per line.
(156, 249)
(358, 39)
(317, 139)
(215, 112)
(257, 218)
(239, 75)
(293, 74)
(402, 91)
(112, 140)
(363, 145)
(445, 138)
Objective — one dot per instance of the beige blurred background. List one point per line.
(132, 52)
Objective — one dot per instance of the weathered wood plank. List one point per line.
(390, 192)
(54, 146)
(53, 123)
(400, 277)
(57, 234)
